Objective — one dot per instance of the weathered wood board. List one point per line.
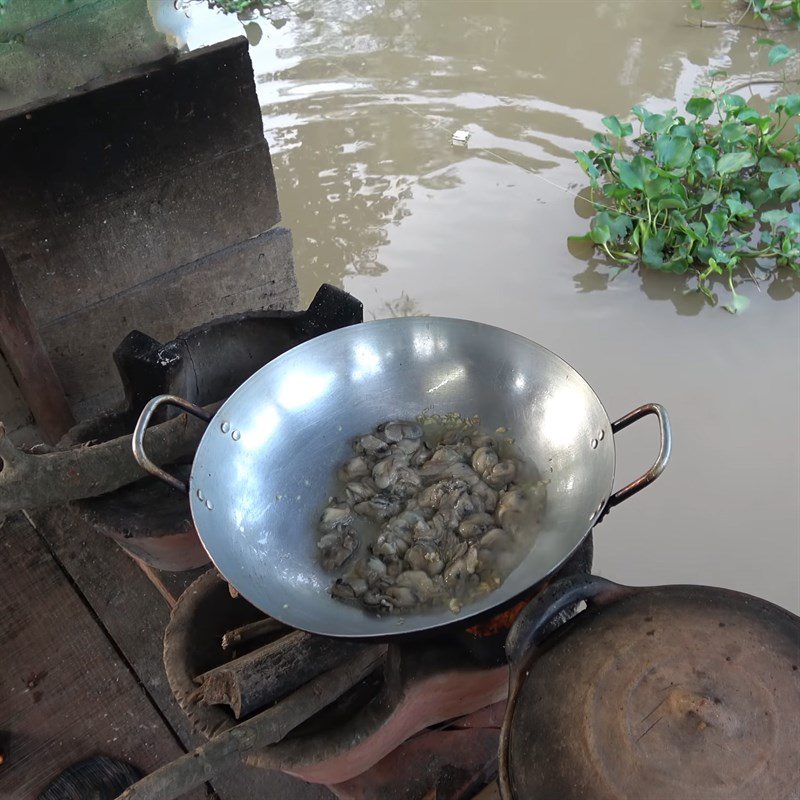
(16, 413)
(24, 351)
(135, 615)
(52, 47)
(142, 203)
(256, 274)
(65, 693)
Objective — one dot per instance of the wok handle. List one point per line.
(141, 426)
(537, 619)
(665, 448)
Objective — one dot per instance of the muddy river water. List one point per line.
(360, 101)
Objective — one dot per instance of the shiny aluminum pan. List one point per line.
(264, 468)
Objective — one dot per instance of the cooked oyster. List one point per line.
(448, 519)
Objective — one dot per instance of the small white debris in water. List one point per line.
(502, 430)
(279, 497)
(461, 137)
(339, 428)
(286, 605)
(307, 482)
(297, 498)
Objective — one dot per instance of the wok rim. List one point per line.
(460, 620)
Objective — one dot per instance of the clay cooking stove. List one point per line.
(417, 719)
(421, 719)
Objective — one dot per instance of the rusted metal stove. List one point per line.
(148, 519)
(420, 718)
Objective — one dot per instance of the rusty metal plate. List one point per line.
(669, 692)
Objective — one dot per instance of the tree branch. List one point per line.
(714, 23)
(34, 481)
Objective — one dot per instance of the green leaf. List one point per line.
(731, 102)
(790, 193)
(738, 304)
(697, 4)
(670, 201)
(657, 187)
(774, 218)
(686, 131)
(770, 164)
(700, 107)
(718, 73)
(617, 192)
(634, 173)
(783, 177)
(659, 123)
(792, 105)
(767, 42)
(600, 234)
(673, 152)
(705, 158)
(780, 53)
(619, 129)
(586, 164)
(738, 208)
(600, 142)
(700, 231)
(619, 225)
(748, 116)
(734, 162)
(758, 196)
(653, 251)
(717, 224)
(721, 255)
(793, 222)
(733, 132)
(708, 197)
(789, 103)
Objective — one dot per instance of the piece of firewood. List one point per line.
(253, 630)
(258, 679)
(30, 481)
(270, 726)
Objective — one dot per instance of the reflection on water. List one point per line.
(359, 105)
(403, 306)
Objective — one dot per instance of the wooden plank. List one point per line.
(114, 187)
(86, 150)
(25, 353)
(131, 188)
(135, 615)
(130, 608)
(84, 255)
(66, 44)
(256, 274)
(65, 692)
(15, 413)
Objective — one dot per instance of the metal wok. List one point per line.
(265, 465)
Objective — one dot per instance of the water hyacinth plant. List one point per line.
(711, 192)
